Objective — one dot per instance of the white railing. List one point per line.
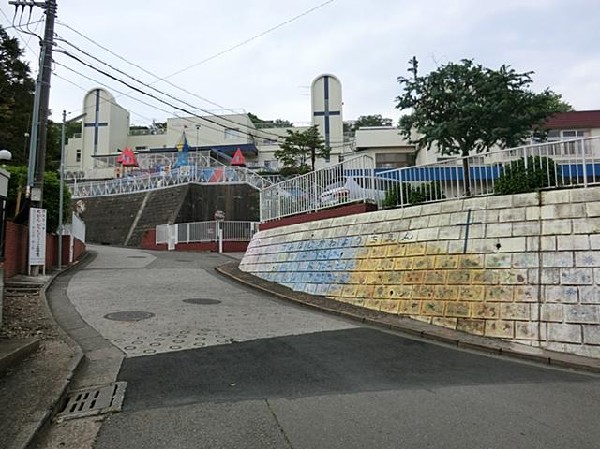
(183, 175)
(206, 231)
(350, 181)
(575, 163)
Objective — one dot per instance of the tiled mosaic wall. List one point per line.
(524, 268)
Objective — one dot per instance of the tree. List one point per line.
(16, 99)
(371, 120)
(466, 108)
(16, 204)
(299, 146)
(260, 123)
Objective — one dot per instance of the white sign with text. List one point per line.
(37, 237)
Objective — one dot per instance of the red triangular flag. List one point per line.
(238, 159)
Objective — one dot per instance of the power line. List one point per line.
(256, 36)
(133, 98)
(210, 58)
(224, 118)
(141, 91)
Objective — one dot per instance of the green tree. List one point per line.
(466, 108)
(16, 204)
(260, 123)
(371, 120)
(16, 99)
(301, 146)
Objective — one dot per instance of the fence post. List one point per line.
(220, 236)
(583, 164)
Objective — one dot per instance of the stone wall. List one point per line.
(524, 268)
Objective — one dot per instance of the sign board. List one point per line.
(37, 237)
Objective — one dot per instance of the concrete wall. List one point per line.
(123, 219)
(530, 273)
(17, 248)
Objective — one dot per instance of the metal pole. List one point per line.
(46, 70)
(61, 186)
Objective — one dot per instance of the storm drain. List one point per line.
(202, 301)
(93, 401)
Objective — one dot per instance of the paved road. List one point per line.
(244, 370)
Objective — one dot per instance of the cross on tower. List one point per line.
(326, 113)
(95, 123)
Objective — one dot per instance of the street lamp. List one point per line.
(5, 155)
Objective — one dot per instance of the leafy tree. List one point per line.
(301, 146)
(466, 108)
(16, 206)
(16, 99)
(371, 120)
(260, 123)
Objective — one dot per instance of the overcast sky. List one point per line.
(366, 44)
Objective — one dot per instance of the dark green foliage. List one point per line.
(16, 188)
(406, 193)
(466, 108)
(371, 120)
(518, 177)
(300, 147)
(16, 99)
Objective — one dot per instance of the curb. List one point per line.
(75, 362)
(21, 350)
(416, 328)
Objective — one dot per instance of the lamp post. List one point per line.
(62, 183)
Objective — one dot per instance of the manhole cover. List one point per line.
(93, 401)
(202, 301)
(129, 315)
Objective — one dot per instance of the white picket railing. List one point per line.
(206, 231)
(350, 181)
(575, 163)
(182, 175)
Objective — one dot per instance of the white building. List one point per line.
(106, 130)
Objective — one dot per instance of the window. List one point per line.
(78, 156)
(393, 160)
(231, 133)
(141, 148)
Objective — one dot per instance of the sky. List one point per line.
(261, 56)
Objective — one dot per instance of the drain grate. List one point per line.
(136, 257)
(202, 301)
(93, 401)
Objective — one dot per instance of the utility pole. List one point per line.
(39, 122)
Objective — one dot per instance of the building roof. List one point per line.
(574, 120)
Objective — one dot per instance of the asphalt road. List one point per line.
(245, 370)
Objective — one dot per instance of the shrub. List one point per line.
(406, 193)
(518, 177)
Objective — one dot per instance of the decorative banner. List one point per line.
(37, 237)
(238, 159)
(127, 158)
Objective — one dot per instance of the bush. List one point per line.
(413, 194)
(517, 178)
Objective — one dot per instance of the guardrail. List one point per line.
(182, 175)
(572, 163)
(206, 231)
(347, 182)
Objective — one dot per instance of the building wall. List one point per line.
(529, 273)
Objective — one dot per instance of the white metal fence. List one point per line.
(182, 175)
(349, 181)
(556, 164)
(206, 231)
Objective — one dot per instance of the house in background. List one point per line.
(573, 125)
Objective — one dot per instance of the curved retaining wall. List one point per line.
(524, 268)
